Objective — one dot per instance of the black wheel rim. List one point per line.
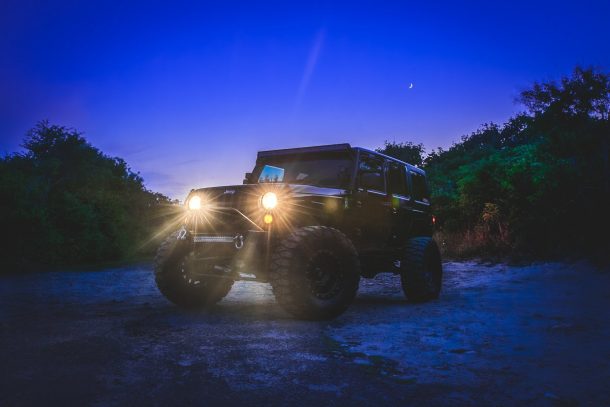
(324, 274)
(187, 270)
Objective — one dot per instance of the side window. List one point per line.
(420, 189)
(370, 173)
(397, 179)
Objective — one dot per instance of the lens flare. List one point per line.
(269, 200)
(268, 218)
(195, 203)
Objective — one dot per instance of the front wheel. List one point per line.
(421, 270)
(315, 273)
(178, 281)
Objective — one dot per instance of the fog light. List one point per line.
(268, 218)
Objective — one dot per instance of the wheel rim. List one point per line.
(186, 270)
(324, 274)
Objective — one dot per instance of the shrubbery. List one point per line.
(537, 186)
(63, 202)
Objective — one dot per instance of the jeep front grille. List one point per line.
(221, 222)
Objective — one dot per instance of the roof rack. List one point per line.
(303, 150)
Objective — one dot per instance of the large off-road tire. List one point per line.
(178, 284)
(315, 273)
(421, 273)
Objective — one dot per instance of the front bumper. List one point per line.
(232, 254)
(233, 244)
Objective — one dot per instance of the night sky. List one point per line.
(187, 93)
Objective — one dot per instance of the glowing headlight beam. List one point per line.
(195, 203)
(269, 200)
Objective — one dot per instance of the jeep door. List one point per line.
(372, 206)
(401, 207)
(419, 204)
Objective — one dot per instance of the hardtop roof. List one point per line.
(303, 150)
(332, 148)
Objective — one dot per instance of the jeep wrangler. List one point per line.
(311, 221)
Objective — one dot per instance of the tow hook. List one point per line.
(181, 234)
(239, 241)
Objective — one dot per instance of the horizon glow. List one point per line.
(188, 93)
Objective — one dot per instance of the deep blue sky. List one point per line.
(187, 93)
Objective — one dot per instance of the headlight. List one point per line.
(269, 200)
(195, 203)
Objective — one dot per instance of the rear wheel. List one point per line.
(315, 273)
(421, 273)
(177, 279)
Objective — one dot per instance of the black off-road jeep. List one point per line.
(310, 221)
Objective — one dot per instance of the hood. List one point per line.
(229, 196)
(309, 190)
(247, 197)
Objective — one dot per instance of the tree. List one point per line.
(408, 152)
(538, 184)
(585, 93)
(65, 202)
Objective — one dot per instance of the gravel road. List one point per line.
(499, 335)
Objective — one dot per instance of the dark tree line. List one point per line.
(537, 186)
(63, 202)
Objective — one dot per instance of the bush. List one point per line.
(538, 186)
(63, 202)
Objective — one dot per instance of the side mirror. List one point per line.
(247, 178)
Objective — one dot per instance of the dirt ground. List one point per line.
(499, 335)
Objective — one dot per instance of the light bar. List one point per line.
(213, 239)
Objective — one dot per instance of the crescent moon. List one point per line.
(411, 86)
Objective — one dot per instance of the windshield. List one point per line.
(271, 174)
(330, 170)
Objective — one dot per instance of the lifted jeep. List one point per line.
(310, 221)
